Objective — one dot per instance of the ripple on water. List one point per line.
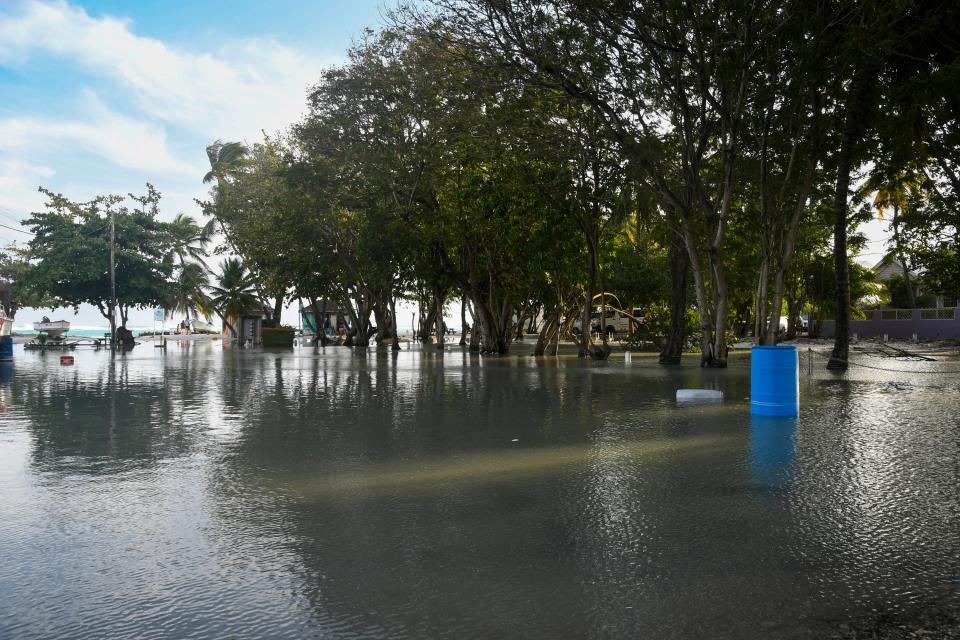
(210, 493)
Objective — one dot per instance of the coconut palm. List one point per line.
(225, 158)
(234, 294)
(188, 293)
(190, 240)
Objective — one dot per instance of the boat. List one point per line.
(50, 335)
(199, 326)
(6, 324)
(54, 329)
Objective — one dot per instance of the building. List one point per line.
(249, 328)
(330, 316)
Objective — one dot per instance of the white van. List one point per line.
(614, 321)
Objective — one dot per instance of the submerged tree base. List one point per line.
(600, 352)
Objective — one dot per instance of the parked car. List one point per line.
(614, 322)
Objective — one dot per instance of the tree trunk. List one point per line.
(679, 265)
(549, 326)
(762, 328)
(277, 310)
(793, 317)
(858, 109)
(518, 335)
(719, 356)
(393, 320)
(427, 322)
(381, 315)
(494, 323)
(603, 305)
(703, 302)
(463, 320)
(585, 325)
(323, 318)
(790, 240)
(474, 344)
(898, 247)
(226, 323)
(360, 331)
(438, 303)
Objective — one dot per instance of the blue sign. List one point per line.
(158, 315)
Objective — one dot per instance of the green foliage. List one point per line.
(899, 297)
(526, 156)
(233, 295)
(14, 269)
(69, 255)
(821, 288)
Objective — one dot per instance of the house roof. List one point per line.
(331, 307)
(888, 266)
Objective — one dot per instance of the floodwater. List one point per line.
(205, 492)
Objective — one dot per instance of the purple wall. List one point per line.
(875, 326)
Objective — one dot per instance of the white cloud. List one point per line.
(233, 92)
(121, 140)
(166, 103)
(18, 187)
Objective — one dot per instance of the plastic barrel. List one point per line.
(6, 348)
(774, 381)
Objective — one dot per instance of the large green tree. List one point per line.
(69, 253)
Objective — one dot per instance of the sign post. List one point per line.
(159, 315)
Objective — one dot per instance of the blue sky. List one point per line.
(101, 97)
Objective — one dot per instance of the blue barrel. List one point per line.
(775, 381)
(6, 348)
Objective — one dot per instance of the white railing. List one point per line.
(896, 314)
(943, 313)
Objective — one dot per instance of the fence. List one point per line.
(927, 324)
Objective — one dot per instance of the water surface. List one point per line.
(210, 492)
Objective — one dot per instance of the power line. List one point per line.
(15, 229)
(10, 217)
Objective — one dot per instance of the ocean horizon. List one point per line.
(82, 331)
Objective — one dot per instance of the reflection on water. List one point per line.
(771, 449)
(203, 492)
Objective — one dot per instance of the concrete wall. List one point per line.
(875, 326)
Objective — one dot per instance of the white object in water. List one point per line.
(699, 395)
(627, 357)
(54, 329)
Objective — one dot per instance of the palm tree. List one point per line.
(225, 158)
(190, 240)
(189, 291)
(234, 294)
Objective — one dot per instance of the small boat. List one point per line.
(199, 326)
(50, 335)
(54, 329)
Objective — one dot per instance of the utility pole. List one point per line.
(113, 284)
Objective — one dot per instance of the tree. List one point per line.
(14, 269)
(233, 295)
(188, 292)
(70, 253)
(670, 83)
